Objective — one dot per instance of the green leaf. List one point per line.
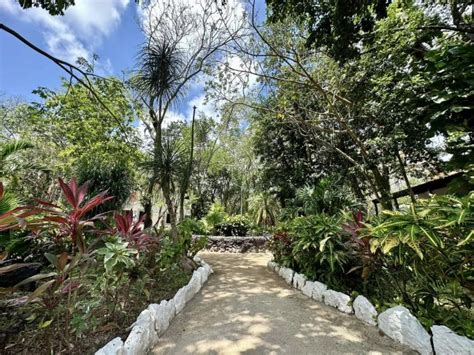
(40, 290)
(35, 278)
(45, 324)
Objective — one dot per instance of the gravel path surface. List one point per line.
(246, 309)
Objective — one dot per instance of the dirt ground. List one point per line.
(246, 309)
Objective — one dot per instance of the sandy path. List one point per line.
(246, 309)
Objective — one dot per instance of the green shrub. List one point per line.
(171, 253)
(215, 217)
(421, 257)
(194, 226)
(264, 209)
(319, 247)
(234, 226)
(427, 252)
(328, 196)
(114, 176)
(281, 248)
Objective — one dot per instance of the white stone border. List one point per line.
(155, 320)
(396, 322)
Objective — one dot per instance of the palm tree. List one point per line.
(10, 160)
(264, 208)
(8, 201)
(158, 82)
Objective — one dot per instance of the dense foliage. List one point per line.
(420, 257)
(102, 269)
(319, 113)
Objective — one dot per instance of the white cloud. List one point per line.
(79, 32)
(208, 109)
(173, 116)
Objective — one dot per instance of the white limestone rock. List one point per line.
(271, 265)
(113, 347)
(168, 309)
(193, 287)
(180, 299)
(400, 325)
(157, 314)
(307, 289)
(277, 268)
(138, 341)
(318, 291)
(146, 316)
(365, 311)
(338, 300)
(287, 274)
(445, 342)
(147, 321)
(204, 275)
(208, 268)
(197, 259)
(163, 314)
(299, 281)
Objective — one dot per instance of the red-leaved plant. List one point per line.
(361, 245)
(131, 231)
(73, 220)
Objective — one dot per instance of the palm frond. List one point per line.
(160, 70)
(12, 147)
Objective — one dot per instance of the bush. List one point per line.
(101, 174)
(194, 226)
(328, 196)
(234, 226)
(319, 247)
(280, 246)
(421, 257)
(215, 217)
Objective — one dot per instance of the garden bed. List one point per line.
(22, 332)
(155, 319)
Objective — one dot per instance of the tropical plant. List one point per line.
(8, 201)
(117, 256)
(113, 174)
(234, 226)
(427, 224)
(319, 247)
(72, 221)
(58, 286)
(9, 160)
(11, 216)
(264, 209)
(328, 196)
(131, 231)
(215, 217)
(281, 248)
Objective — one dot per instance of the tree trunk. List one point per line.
(188, 172)
(383, 189)
(147, 206)
(405, 177)
(172, 212)
(356, 189)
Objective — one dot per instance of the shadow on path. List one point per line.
(246, 309)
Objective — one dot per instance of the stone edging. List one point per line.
(155, 320)
(396, 322)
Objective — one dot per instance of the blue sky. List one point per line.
(108, 28)
(22, 70)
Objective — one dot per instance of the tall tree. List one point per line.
(181, 41)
